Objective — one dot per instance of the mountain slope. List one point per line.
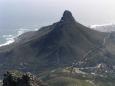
(57, 45)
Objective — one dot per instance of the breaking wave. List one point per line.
(10, 38)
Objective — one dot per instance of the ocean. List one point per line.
(7, 36)
(17, 18)
(13, 26)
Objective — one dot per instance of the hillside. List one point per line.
(58, 45)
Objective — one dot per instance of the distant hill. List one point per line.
(104, 27)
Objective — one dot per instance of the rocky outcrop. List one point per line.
(67, 17)
(21, 79)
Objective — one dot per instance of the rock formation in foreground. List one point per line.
(16, 78)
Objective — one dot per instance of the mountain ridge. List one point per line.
(57, 45)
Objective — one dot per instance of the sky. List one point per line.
(15, 13)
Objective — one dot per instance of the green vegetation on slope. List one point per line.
(68, 81)
(62, 77)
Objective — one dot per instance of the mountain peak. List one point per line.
(67, 16)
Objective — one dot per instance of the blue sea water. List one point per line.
(11, 27)
(17, 18)
(7, 35)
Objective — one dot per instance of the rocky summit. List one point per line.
(67, 16)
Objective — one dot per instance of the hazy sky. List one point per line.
(25, 12)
